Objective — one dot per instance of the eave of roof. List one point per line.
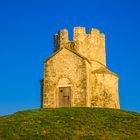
(68, 50)
(104, 70)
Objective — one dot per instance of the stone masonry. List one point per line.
(76, 74)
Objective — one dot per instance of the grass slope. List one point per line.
(71, 124)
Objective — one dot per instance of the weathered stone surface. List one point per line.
(81, 65)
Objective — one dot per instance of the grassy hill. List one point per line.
(71, 124)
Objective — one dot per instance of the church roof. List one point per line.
(68, 50)
(104, 70)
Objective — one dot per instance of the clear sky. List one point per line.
(26, 39)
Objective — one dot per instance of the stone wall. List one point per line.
(104, 90)
(64, 64)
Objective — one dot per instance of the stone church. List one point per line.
(76, 75)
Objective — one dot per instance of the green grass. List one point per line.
(71, 124)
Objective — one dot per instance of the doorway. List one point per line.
(64, 96)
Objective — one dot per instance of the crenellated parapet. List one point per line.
(90, 45)
(94, 37)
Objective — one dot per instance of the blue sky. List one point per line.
(26, 39)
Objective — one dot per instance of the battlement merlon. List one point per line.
(63, 37)
(60, 39)
(94, 31)
(79, 34)
(56, 42)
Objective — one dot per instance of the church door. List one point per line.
(64, 97)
